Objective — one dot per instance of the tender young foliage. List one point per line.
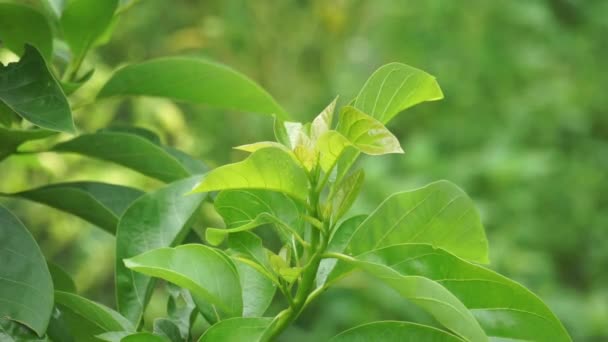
(287, 233)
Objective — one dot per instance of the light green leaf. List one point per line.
(26, 287)
(440, 214)
(260, 145)
(367, 133)
(192, 80)
(22, 24)
(113, 336)
(129, 150)
(11, 139)
(61, 279)
(347, 193)
(249, 246)
(206, 272)
(216, 236)
(84, 319)
(269, 168)
(392, 331)
(258, 290)
(504, 308)
(237, 329)
(144, 337)
(29, 89)
(331, 145)
(83, 21)
(99, 203)
(167, 212)
(322, 123)
(394, 88)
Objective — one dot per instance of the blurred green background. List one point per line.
(523, 129)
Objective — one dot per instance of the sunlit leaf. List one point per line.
(347, 193)
(331, 145)
(237, 329)
(367, 133)
(322, 123)
(193, 80)
(392, 331)
(22, 24)
(395, 87)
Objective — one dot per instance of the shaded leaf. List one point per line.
(113, 336)
(367, 133)
(237, 330)
(392, 331)
(192, 80)
(61, 279)
(26, 287)
(167, 328)
(29, 89)
(157, 219)
(11, 331)
(11, 139)
(395, 87)
(22, 24)
(249, 246)
(144, 337)
(258, 290)
(347, 193)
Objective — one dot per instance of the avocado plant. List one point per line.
(427, 244)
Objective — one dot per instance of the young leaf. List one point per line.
(440, 214)
(392, 331)
(322, 123)
(167, 212)
(129, 150)
(269, 168)
(258, 290)
(11, 139)
(280, 132)
(29, 89)
(83, 21)
(347, 193)
(84, 319)
(26, 287)
(22, 24)
(394, 88)
(206, 272)
(237, 329)
(331, 145)
(249, 246)
(367, 133)
(99, 203)
(192, 80)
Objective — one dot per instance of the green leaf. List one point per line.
(144, 337)
(83, 21)
(440, 214)
(237, 330)
(129, 150)
(181, 309)
(504, 308)
(322, 123)
(26, 287)
(157, 219)
(192, 80)
(167, 328)
(84, 319)
(99, 203)
(280, 132)
(392, 331)
(258, 290)
(11, 139)
(249, 246)
(113, 336)
(367, 133)
(29, 89)
(61, 279)
(22, 24)
(206, 272)
(11, 331)
(69, 87)
(431, 296)
(394, 88)
(347, 193)
(269, 168)
(331, 146)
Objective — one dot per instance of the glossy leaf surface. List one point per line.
(367, 133)
(392, 331)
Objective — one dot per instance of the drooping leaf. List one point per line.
(440, 214)
(157, 219)
(11, 139)
(237, 329)
(11, 331)
(99, 203)
(347, 193)
(269, 169)
(144, 337)
(258, 290)
(61, 279)
(392, 331)
(85, 319)
(83, 21)
(129, 150)
(367, 133)
(193, 80)
(504, 308)
(22, 24)
(29, 89)
(206, 272)
(26, 287)
(394, 88)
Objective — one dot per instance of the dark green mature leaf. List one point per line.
(26, 287)
(157, 219)
(129, 150)
(22, 24)
(30, 90)
(61, 279)
(440, 214)
(395, 87)
(11, 331)
(84, 318)
(237, 330)
(366, 133)
(167, 328)
(269, 169)
(208, 273)
(504, 308)
(258, 290)
(193, 80)
(83, 21)
(99, 203)
(144, 337)
(11, 139)
(392, 331)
